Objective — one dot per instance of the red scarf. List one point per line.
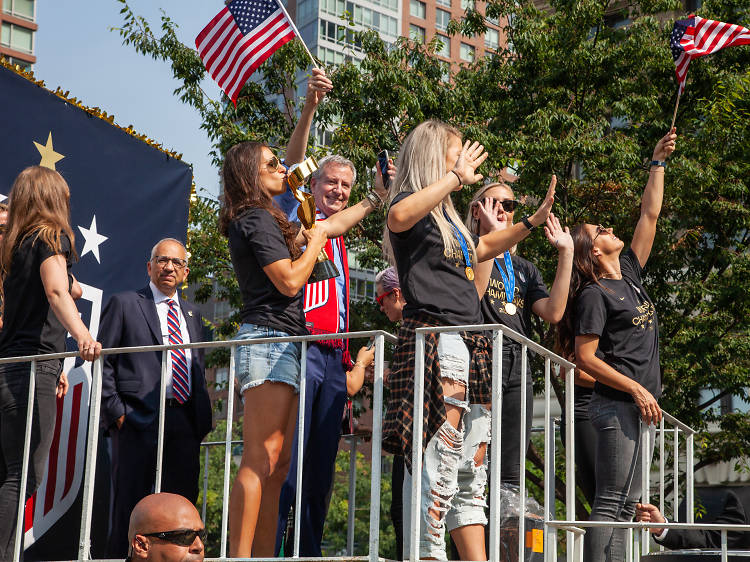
(322, 304)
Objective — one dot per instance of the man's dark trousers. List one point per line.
(325, 398)
(134, 462)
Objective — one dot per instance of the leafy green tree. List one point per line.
(569, 94)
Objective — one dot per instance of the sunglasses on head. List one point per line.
(180, 537)
(599, 230)
(382, 297)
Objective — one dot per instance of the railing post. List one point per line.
(522, 457)
(18, 546)
(645, 470)
(549, 461)
(162, 415)
(495, 460)
(570, 478)
(629, 545)
(661, 470)
(724, 554)
(689, 479)
(228, 450)
(92, 446)
(205, 482)
(377, 437)
(416, 447)
(676, 479)
(352, 495)
(300, 448)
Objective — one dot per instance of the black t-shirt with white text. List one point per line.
(529, 288)
(255, 241)
(623, 316)
(30, 327)
(432, 280)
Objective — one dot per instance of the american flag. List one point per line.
(696, 37)
(239, 38)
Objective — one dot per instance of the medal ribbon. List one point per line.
(509, 280)
(461, 240)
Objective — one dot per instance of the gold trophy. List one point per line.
(296, 177)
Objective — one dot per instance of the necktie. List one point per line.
(180, 375)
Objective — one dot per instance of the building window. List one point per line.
(417, 9)
(467, 5)
(446, 3)
(17, 37)
(21, 8)
(222, 375)
(444, 46)
(467, 52)
(416, 33)
(492, 38)
(442, 18)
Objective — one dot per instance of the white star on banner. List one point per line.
(92, 239)
(2, 197)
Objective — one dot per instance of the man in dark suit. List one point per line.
(131, 386)
(732, 513)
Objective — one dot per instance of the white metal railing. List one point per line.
(638, 533)
(84, 544)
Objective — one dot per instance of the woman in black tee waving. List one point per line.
(441, 274)
(613, 328)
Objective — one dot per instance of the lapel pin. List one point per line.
(190, 313)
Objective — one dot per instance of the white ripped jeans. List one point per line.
(453, 484)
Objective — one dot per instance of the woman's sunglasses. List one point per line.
(599, 230)
(382, 297)
(273, 164)
(509, 205)
(180, 537)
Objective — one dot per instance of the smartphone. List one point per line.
(370, 344)
(383, 160)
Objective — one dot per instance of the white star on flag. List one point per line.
(92, 239)
(2, 197)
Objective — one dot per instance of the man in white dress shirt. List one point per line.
(131, 386)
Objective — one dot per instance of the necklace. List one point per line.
(611, 276)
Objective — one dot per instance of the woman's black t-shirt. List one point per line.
(433, 282)
(30, 327)
(255, 241)
(530, 288)
(624, 318)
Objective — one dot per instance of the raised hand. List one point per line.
(665, 146)
(471, 157)
(540, 217)
(559, 237)
(486, 213)
(318, 86)
(379, 187)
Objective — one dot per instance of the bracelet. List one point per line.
(374, 199)
(459, 177)
(527, 223)
(657, 163)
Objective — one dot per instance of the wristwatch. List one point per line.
(527, 223)
(374, 199)
(657, 163)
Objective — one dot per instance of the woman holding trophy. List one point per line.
(441, 273)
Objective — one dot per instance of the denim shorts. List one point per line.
(272, 362)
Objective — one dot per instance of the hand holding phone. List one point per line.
(383, 160)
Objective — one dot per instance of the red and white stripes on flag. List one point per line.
(239, 39)
(696, 37)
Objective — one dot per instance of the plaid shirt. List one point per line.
(399, 417)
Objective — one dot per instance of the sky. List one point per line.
(76, 50)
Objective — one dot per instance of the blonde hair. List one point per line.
(39, 206)
(421, 162)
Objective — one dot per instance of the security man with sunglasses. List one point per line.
(131, 387)
(166, 527)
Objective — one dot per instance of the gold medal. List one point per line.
(470, 274)
(510, 308)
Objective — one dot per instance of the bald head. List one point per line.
(159, 513)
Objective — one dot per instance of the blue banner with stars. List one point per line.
(125, 196)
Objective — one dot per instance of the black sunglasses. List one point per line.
(599, 230)
(180, 537)
(273, 164)
(509, 205)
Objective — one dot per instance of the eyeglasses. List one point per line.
(273, 164)
(178, 263)
(382, 297)
(599, 230)
(180, 537)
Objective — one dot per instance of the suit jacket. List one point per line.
(732, 514)
(131, 381)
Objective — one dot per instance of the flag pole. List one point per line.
(676, 105)
(296, 32)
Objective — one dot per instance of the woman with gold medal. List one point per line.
(441, 274)
(515, 291)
